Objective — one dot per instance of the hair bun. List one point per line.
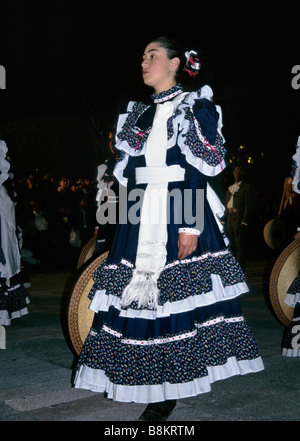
(192, 65)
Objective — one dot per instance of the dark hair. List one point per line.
(171, 46)
(173, 50)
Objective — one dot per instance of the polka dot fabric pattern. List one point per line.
(228, 269)
(130, 133)
(174, 362)
(179, 280)
(112, 278)
(184, 280)
(295, 286)
(199, 148)
(13, 302)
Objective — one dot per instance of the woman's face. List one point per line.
(157, 69)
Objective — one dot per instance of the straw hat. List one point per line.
(80, 317)
(87, 251)
(284, 271)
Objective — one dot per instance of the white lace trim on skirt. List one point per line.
(96, 381)
(5, 318)
(102, 301)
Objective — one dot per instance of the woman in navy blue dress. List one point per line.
(167, 317)
(14, 297)
(291, 335)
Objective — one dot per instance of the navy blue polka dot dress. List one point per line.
(166, 328)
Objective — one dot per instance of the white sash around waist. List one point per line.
(159, 175)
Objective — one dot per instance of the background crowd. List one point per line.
(57, 216)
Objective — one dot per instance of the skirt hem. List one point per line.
(96, 381)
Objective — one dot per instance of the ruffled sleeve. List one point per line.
(200, 132)
(130, 139)
(4, 164)
(296, 168)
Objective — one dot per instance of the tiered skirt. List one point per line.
(196, 336)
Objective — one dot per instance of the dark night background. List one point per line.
(71, 67)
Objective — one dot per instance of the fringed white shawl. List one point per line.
(151, 251)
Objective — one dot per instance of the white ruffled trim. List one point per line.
(188, 100)
(9, 242)
(4, 164)
(292, 299)
(96, 381)
(296, 158)
(5, 318)
(184, 126)
(102, 301)
(119, 169)
(290, 352)
(123, 145)
(218, 210)
(101, 184)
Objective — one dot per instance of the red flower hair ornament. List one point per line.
(192, 65)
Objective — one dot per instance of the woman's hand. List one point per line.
(187, 244)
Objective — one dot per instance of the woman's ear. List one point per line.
(175, 64)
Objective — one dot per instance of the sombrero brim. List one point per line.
(283, 273)
(87, 251)
(80, 317)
